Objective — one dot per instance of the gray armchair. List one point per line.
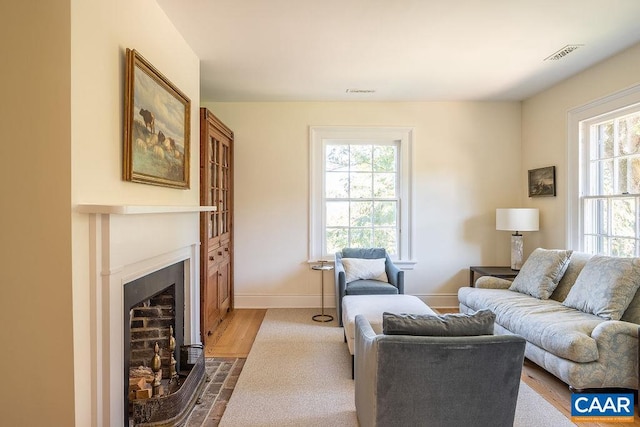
(365, 287)
(403, 380)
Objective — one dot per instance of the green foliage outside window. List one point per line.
(361, 196)
(612, 205)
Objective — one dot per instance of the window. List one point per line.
(360, 195)
(608, 202)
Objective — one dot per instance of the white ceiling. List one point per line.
(405, 50)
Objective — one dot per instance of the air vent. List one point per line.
(360, 91)
(563, 52)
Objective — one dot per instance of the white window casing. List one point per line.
(319, 136)
(580, 185)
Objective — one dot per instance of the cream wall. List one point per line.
(466, 163)
(101, 31)
(36, 329)
(63, 126)
(544, 134)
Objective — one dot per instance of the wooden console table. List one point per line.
(501, 272)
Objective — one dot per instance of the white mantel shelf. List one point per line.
(139, 209)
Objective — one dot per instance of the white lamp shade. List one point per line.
(517, 219)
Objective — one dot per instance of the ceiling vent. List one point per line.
(360, 91)
(556, 56)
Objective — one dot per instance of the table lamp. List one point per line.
(517, 219)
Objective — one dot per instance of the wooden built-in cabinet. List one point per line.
(216, 227)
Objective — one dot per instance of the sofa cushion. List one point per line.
(548, 324)
(364, 269)
(632, 313)
(605, 286)
(577, 261)
(490, 282)
(541, 272)
(368, 287)
(368, 253)
(447, 325)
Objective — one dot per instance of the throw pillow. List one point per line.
(364, 269)
(605, 286)
(541, 272)
(447, 325)
(577, 261)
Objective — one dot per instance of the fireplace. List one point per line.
(153, 306)
(127, 243)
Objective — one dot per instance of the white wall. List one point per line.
(36, 329)
(466, 164)
(544, 133)
(101, 31)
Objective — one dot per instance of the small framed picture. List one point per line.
(156, 127)
(542, 182)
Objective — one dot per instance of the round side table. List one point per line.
(322, 268)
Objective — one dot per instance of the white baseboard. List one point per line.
(440, 300)
(313, 301)
(282, 301)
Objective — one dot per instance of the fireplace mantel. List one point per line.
(127, 242)
(139, 209)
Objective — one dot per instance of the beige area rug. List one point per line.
(298, 373)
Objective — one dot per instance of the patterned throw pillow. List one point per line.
(541, 272)
(447, 325)
(364, 269)
(605, 287)
(577, 261)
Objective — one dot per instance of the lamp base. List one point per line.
(517, 251)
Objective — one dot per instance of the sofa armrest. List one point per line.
(490, 282)
(340, 284)
(340, 276)
(617, 349)
(395, 275)
(610, 329)
(366, 380)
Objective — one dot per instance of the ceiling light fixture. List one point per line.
(563, 52)
(360, 91)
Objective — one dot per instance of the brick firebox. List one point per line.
(153, 304)
(150, 324)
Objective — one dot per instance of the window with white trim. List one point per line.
(611, 197)
(361, 202)
(360, 190)
(608, 202)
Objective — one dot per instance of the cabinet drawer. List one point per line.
(219, 253)
(225, 250)
(214, 256)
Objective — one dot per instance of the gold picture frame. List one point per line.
(157, 123)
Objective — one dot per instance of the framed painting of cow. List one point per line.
(156, 127)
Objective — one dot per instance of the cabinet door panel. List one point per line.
(211, 301)
(224, 206)
(224, 290)
(213, 185)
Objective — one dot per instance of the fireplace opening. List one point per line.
(157, 370)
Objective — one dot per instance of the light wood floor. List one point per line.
(235, 336)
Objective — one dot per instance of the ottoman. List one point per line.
(372, 307)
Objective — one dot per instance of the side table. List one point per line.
(322, 268)
(500, 272)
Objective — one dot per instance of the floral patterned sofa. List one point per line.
(579, 313)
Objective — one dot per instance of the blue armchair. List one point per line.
(403, 380)
(395, 276)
